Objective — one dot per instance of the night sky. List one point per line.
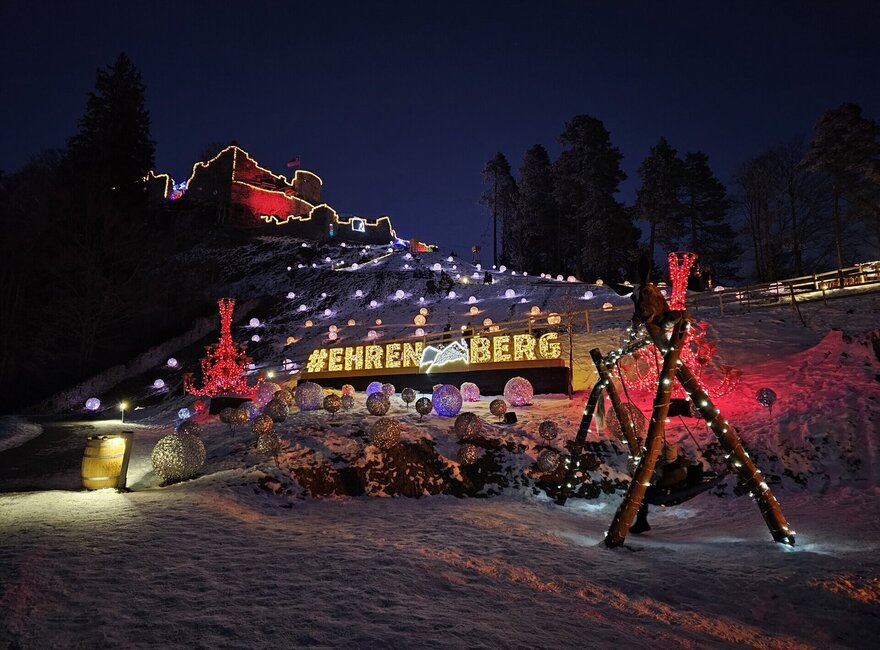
(397, 106)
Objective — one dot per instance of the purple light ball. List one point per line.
(447, 400)
(470, 392)
(518, 391)
(374, 387)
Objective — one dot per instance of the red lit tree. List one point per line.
(225, 364)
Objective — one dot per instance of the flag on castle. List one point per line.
(294, 163)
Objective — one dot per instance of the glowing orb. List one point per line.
(255, 338)
(399, 294)
(374, 387)
(518, 391)
(255, 322)
(470, 392)
(510, 293)
(309, 396)
(291, 295)
(171, 363)
(159, 384)
(446, 400)
(93, 404)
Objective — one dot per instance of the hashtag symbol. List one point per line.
(317, 361)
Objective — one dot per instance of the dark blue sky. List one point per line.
(397, 106)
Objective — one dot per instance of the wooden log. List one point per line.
(635, 494)
(626, 424)
(580, 439)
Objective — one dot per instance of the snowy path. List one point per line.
(203, 565)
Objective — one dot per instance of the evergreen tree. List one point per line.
(705, 207)
(587, 178)
(658, 200)
(539, 217)
(501, 197)
(847, 150)
(112, 150)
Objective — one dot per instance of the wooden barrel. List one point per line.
(102, 462)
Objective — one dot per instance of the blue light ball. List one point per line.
(184, 413)
(253, 410)
(374, 387)
(447, 400)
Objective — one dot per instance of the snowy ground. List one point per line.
(220, 562)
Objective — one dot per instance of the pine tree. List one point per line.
(705, 207)
(539, 216)
(658, 200)
(587, 176)
(112, 150)
(501, 196)
(846, 148)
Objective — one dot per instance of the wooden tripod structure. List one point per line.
(647, 455)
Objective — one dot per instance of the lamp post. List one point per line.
(122, 407)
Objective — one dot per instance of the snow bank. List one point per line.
(15, 431)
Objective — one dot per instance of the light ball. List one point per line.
(332, 336)
(599, 282)
(253, 409)
(424, 405)
(518, 391)
(347, 389)
(468, 454)
(374, 387)
(261, 425)
(355, 266)
(255, 322)
(372, 335)
(178, 457)
(473, 311)
(378, 321)
(535, 310)
(470, 392)
(419, 320)
(302, 308)
(636, 417)
(436, 267)
(446, 400)
(548, 430)
(266, 392)
(419, 332)
(423, 311)
(285, 396)
(607, 306)
(451, 295)
(308, 323)
(373, 304)
(255, 338)
(498, 407)
(588, 295)
(378, 403)
(548, 460)
(502, 268)
(240, 416)
(291, 295)
(269, 444)
(291, 340)
(358, 294)
(309, 396)
(172, 363)
(184, 413)
(467, 426)
(399, 294)
(277, 409)
(554, 319)
(487, 322)
(347, 402)
(408, 395)
(323, 295)
(159, 384)
(472, 300)
(189, 428)
(352, 322)
(766, 397)
(510, 293)
(385, 433)
(332, 403)
(93, 404)
(226, 415)
(389, 390)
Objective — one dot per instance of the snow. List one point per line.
(244, 555)
(15, 431)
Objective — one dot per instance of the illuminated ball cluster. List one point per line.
(498, 407)
(226, 415)
(636, 418)
(389, 390)
(240, 416)
(467, 454)
(766, 397)
(269, 444)
(347, 402)
(424, 405)
(348, 389)
(266, 392)
(548, 430)
(467, 426)
(332, 403)
(408, 395)
(277, 410)
(385, 433)
(253, 409)
(446, 400)
(470, 392)
(184, 413)
(189, 428)
(309, 396)
(548, 460)
(262, 425)
(374, 387)
(177, 457)
(518, 391)
(285, 396)
(93, 404)
(378, 403)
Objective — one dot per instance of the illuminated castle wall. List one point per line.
(249, 196)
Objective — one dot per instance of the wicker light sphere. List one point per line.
(446, 400)
(548, 460)
(467, 454)
(548, 429)
(408, 395)
(262, 424)
(277, 409)
(424, 405)
(332, 403)
(226, 415)
(309, 396)
(285, 396)
(389, 390)
(374, 387)
(266, 392)
(188, 427)
(269, 444)
(348, 389)
(498, 407)
(518, 391)
(378, 403)
(184, 413)
(240, 416)
(467, 426)
(347, 402)
(385, 433)
(636, 417)
(177, 457)
(470, 392)
(252, 408)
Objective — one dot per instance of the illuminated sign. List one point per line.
(437, 357)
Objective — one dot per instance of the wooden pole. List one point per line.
(737, 458)
(626, 424)
(573, 462)
(795, 305)
(635, 494)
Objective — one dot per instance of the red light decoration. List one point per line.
(679, 272)
(225, 363)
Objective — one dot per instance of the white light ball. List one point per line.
(373, 304)
(323, 295)
(332, 336)
(420, 331)
(358, 294)
(588, 295)
(449, 259)
(159, 384)
(255, 338)
(172, 362)
(436, 266)
(291, 295)
(518, 391)
(406, 266)
(479, 267)
(255, 322)
(451, 294)
(510, 293)
(560, 278)
(571, 278)
(328, 312)
(355, 266)
(371, 335)
(421, 300)
(287, 365)
(300, 266)
(502, 268)
(328, 260)
(302, 308)
(289, 268)
(472, 300)
(93, 404)
(408, 256)
(184, 413)
(399, 294)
